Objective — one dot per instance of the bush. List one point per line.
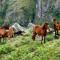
(5, 49)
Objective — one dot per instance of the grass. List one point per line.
(24, 48)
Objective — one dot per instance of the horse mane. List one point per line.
(44, 26)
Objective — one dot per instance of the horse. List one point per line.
(6, 33)
(2, 32)
(56, 26)
(9, 33)
(40, 31)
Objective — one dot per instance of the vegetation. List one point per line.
(21, 11)
(24, 48)
(1, 21)
(25, 11)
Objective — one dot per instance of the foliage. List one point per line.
(1, 21)
(11, 9)
(3, 8)
(10, 22)
(24, 11)
(21, 11)
(24, 48)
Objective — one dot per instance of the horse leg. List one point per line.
(34, 35)
(44, 39)
(13, 35)
(57, 32)
(3, 39)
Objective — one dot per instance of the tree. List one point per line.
(3, 7)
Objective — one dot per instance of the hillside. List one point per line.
(24, 48)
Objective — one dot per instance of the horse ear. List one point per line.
(46, 22)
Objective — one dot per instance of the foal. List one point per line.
(40, 31)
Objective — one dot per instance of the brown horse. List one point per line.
(2, 33)
(6, 33)
(9, 33)
(40, 31)
(56, 26)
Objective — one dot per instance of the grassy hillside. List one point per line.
(24, 48)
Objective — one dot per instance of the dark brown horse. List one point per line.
(56, 26)
(40, 31)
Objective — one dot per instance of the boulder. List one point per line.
(51, 30)
(17, 27)
(31, 25)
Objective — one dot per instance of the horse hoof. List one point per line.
(33, 39)
(56, 37)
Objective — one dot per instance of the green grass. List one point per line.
(24, 48)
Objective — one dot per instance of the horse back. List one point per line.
(57, 26)
(2, 31)
(38, 29)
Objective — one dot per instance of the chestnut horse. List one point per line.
(2, 32)
(40, 31)
(9, 33)
(56, 26)
(6, 33)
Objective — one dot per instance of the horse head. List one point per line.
(54, 21)
(46, 26)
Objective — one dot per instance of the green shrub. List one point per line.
(5, 49)
(1, 21)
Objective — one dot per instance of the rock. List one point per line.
(51, 30)
(31, 25)
(17, 27)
